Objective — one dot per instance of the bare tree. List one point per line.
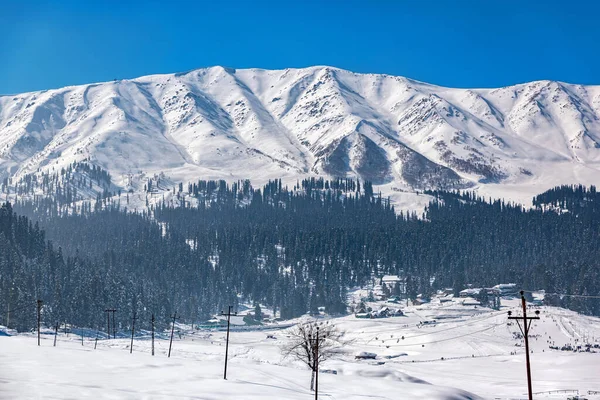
(304, 346)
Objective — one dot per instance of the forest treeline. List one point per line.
(292, 249)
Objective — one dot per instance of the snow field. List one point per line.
(482, 359)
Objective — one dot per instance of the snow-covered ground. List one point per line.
(481, 359)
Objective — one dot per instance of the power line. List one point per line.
(12, 310)
(466, 323)
(391, 321)
(447, 339)
(564, 294)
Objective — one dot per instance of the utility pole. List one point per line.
(10, 292)
(229, 314)
(39, 318)
(114, 325)
(132, 331)
(108, 311)
(315, 348)
(525, 331)
(174, 316)
(317, 366)
(107, 323)
(153, 334)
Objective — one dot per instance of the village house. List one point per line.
(394, 283)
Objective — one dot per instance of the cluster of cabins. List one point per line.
(501, 290)
(396, 284)
(393, 289)
(383, 312)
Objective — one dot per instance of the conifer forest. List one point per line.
(292, 248)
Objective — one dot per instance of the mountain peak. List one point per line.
(226, 123)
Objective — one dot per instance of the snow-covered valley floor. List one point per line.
(481, 359)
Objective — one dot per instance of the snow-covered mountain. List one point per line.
(220, 123)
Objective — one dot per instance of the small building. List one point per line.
(421, 299)
(396, 313)
(394, 283)
(446, 299)
(360, 309)
(472, 292)
(506, 289)
(234, 320)
(469, 301)
(383, 312)
(213, 323)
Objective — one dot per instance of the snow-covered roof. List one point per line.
(234, 319)
(471, 292)
(505, 286)
(391, 278)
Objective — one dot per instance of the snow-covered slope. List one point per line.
(220, 123)
(467, 353)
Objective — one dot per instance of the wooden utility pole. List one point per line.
(108, 311)
(153, 334)
(107, 323)
(317, 366)
(114, 325)
(174, 316)
(10, 291)
(229, 314)
(315, 348)
(39, 318)
(132, 332)
(525, 331)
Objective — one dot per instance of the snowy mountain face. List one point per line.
(219, 123)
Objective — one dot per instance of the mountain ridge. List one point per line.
(226, 123)
(182, 73)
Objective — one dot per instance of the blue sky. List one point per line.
(457, 43)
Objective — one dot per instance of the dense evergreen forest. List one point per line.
(293, 249)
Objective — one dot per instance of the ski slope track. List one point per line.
(221, 123)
